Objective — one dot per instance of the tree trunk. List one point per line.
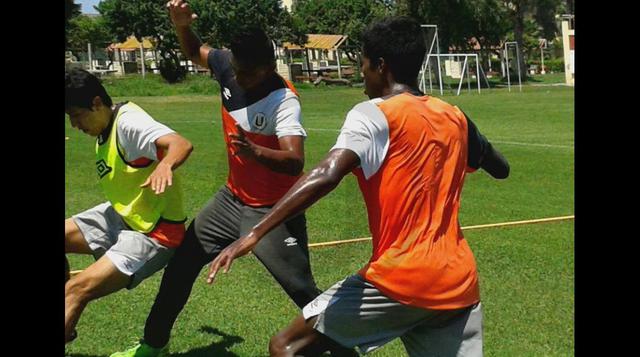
(519, 37)
(570, 6)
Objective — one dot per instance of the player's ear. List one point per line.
(96, 103)
(382, 65)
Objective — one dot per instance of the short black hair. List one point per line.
(252, 47)
(81, 87)
(400, 42)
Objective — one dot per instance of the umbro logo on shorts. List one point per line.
(102, 168)
(291, 241)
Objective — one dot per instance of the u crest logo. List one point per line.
(259, 121)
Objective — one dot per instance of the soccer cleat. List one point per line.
(143, 350)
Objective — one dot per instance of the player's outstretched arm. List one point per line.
(481, 154)
(314, 185)
(182, 17)
(494, 163)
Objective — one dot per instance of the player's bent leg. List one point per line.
(298, 336)
(99, 279)
(74, 241)
(67, 272)
(285, 254)
(301, 339)
(175, 289)
(215, 226)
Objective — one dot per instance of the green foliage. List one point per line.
(71, 10)
(154, 85)
(146, 18)
(86, 29)
(219, 20)
(340, 17)
(555, 65)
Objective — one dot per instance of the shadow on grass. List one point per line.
(218, 349)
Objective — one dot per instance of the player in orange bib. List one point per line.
(410, 153)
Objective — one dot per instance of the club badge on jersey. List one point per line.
(259, 121)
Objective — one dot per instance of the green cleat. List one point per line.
(143, 350)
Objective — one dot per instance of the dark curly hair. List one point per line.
(400, 42)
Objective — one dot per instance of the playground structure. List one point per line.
(455, 68)
(507, 63)
(319, 53)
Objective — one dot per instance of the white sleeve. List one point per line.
(137, 133)
(365, 132)
(289, 118)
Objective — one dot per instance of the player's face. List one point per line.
(90, 121)
(250, 77)
(373, 80)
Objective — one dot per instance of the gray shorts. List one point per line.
(133, 253)
(354, 313)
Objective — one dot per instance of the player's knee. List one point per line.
(67, 272)
(80, 290)
(304, 294)
(278, 346)
(69, 229)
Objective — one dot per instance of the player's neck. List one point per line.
(398, 88)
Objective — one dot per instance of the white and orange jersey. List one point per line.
(266, 114)
(414, 152)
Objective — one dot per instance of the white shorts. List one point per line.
(133, 253)
(354, 312)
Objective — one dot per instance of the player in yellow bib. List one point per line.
(136, 231)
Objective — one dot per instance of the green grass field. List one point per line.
(526, 272)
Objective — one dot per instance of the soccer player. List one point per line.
(410, 153)
(264, 136)
(134, 233)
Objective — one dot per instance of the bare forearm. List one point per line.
(177, 152)
(309, 189)
(189, 43)
(282, 161)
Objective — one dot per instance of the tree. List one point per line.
(453, 17)
(340, 17)
(145, 18)
(489, 22)
(569, 6)
(490, 26)
(218, 21)
(88, 29)
(522, 11)
(71, 10)
(462, 24)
